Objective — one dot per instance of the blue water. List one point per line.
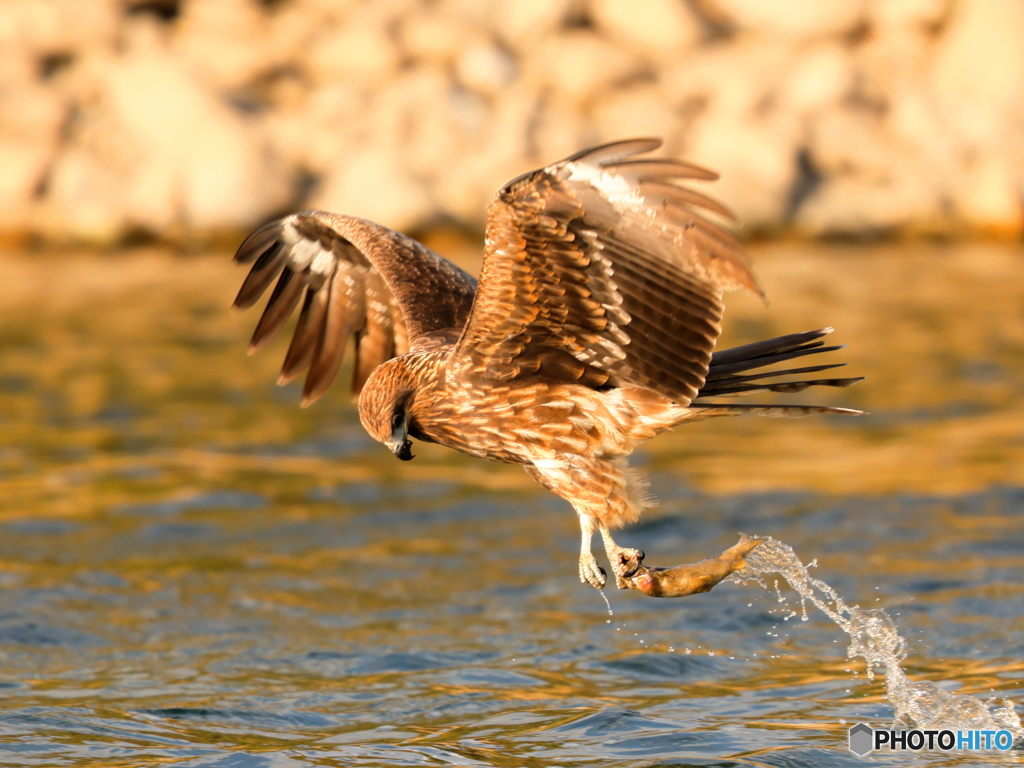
(195, 572)
(232, 631)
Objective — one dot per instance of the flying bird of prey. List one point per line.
(591, 328)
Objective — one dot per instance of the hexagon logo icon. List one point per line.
(862, 739)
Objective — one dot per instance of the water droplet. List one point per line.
(873, 636)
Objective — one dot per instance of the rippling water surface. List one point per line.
(195, 572)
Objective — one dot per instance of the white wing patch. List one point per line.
(616, 189)
(323, 261)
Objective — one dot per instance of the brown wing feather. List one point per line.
(375, 343)
(359, 279)
(602, 259)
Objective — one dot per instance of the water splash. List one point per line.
(873, 636)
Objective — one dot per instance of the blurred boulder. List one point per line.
(485, 68)
(31, 29)
(640, 109)
(183, 117)
(372, 184)
(656, 29)
(577, 65)
(215, 38)
(793, 18)
(431, 36)
(31, 118)
(151, 148)
(978, 82)
(523, 25)
(359, 49)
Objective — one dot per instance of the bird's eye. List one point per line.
(397, 419)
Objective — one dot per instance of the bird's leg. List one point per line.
(590, 572)
(625, 562)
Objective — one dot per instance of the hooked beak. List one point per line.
(403, 451)
(400, 444)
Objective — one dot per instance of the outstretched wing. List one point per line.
(358, 279)
(600, 269)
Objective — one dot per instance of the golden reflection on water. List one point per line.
(938, 331)
(126, 400)
(131, 366)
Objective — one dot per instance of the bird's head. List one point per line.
(384, 405)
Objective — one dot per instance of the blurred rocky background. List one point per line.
(193, 118)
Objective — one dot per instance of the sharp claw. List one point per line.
(636, 566)
(589, 575)
(630, 565)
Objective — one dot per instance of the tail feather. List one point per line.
(722, 380)
(732, 389)
(769, 346)
(702, 411)
(724, 369)
(730, 379)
